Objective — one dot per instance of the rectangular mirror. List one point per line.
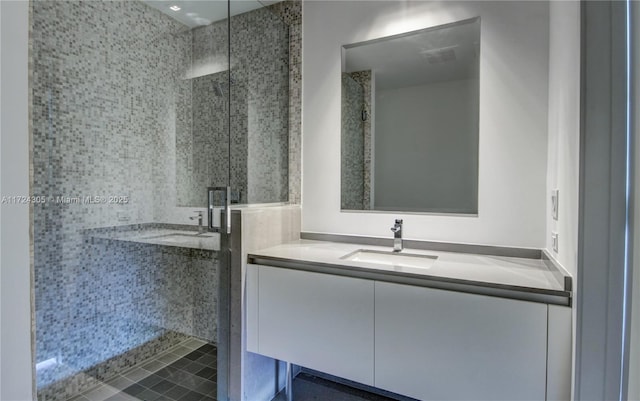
(410, 107)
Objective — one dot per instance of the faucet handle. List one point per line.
(399, 221)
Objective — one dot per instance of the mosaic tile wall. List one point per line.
(259, 112)
(291, 14)
(107, 94)
(202, 150)
(262, 65)
(352, 144)
(204, 146)
(364, 78)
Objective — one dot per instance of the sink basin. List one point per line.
(399, 259)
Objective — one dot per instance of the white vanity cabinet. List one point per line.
(432, 344)
(319, 321)
(425, 343)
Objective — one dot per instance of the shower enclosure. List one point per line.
(137, 107)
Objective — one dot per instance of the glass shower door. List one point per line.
(138, 108)
(130, 117)
(259, 103)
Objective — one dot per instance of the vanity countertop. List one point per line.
(511, 277)
(167, 237)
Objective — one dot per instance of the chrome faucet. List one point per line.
(397, 235)
(200, 218)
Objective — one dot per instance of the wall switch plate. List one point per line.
(554, 242)
(554, 203)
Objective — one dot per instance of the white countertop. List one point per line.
(530, 274)
(167, 237)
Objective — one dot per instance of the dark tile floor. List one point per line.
(190, 378)
(311, 388)
(187, 372)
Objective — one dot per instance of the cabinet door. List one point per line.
(319, 321)
(441, 345)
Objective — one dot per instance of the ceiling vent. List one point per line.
(440, 56)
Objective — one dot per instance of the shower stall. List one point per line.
(137, 107)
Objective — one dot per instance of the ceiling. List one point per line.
(194, 13)
(438, 54)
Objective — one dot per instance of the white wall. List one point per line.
(563, 162)
(513, 117)
(15, 304)
(426, 133)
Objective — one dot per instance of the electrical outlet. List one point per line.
(554, 242)
(554, 203)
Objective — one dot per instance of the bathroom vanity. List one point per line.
(425, 324)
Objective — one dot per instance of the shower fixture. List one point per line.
(219, 88)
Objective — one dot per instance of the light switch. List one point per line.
(554, 203)
(554, 242)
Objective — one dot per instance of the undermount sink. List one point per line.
(180, 237)
(391, 258)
